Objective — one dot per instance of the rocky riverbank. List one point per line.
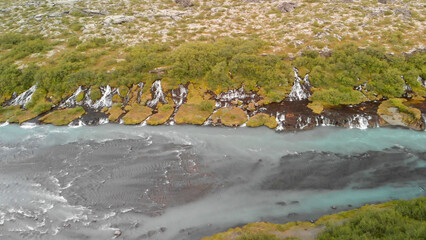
(190, 104)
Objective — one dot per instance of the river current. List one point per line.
(186, 182)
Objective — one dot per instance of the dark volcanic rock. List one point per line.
(286, 7)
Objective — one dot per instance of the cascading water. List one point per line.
(358, 121)
(302, 122)
(87, 101)
(421, 81)
(300, 91)
(141, 84)
(223, 99)
(23, 98)
(106, 99)
(280, 118)
(179, 95)
(72, 100)
(158, 95)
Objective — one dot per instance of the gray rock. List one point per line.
(405, 12)
(385, 1)
(348, 1)
(118, 19)
(184, 3)
(286, 7)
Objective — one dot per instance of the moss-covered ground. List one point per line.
(262, 119)
(63, 116)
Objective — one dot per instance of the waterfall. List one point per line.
(87, 101)
(103, 121)
(106, 99)
(234, 94)
(300, 91)
(24, 97)
(179, 95)
(280, 118)
(157, 93)
(140, 92)
(76, 125)
(421, 81)
(302, 123)
(358, 121)
(72, 100)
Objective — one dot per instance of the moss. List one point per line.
(193, 114)
(316, 107)
(116, 98)
(409, 114)
(95, 94)
(232, 116)
(164, 113)
(137, 114)
(8, 112)
(261, 119)
(80, 97)
(115, 112)
(63, 117)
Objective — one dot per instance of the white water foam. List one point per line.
(23, 98)
(300, 91)
(158, 94)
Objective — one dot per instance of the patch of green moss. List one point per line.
(95, 94)
(115, 112)
(262, 119)
(137, 114)
(8, 112)
(232, 116)
(64, 116)
(163, 114)
(80, 97)
(194, 113)
(410, 114)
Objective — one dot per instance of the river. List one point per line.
(186, 182)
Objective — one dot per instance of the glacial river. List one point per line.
(186, 182)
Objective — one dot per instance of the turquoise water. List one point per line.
(180, 181)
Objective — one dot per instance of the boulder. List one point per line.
(184, 3)
(385, 1)
(286, 7)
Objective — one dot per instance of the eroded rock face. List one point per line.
(286, 7)
(385, 1)
(184, 3)
(118, 19)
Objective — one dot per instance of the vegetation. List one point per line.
(401, 219)
(137, 114)
(395, 108)
(194, 114)
(163, 114)
(262, 119)
(63, 117)
(230, 117)
(115, 112)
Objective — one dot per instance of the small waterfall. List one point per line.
(280, 118)
(141, 84)
(28, 125)
(303, 123)
(323, 121)
(77, 124)
(224, 99)
(103, 121)
(421, 81)
(4, 124)
(24, 97)
(358, 121)
(87, 101)
(157, 94)
(179, 95)
(300, 91)
(72, 100)
(424, 120)
(106, 99)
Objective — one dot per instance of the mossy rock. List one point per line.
(80, 97)
(115, 112)
(194, 113)
(395, 112)
(15, 114)
(7, 112)
(63, 117)
(316, 107)
(164, 113)
(116, 99)
(232, 116)
(262, 119)
(137, 114)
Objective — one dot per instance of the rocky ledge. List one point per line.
(151, 104)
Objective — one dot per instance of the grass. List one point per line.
(262, 119)
(195, 114)
(163, 114)
(115, 112)
(401, 219)
(137, 114)
(231, 117)
(63, 117)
